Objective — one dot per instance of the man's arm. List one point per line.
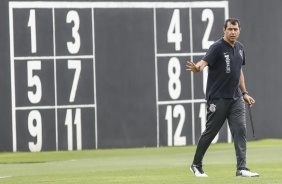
(248, 99)
(191, 66)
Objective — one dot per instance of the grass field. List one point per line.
(142, 165)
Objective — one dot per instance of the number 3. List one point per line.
(74, 47)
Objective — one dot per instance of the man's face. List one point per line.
(231, 32)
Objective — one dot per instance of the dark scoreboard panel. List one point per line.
(89, 75)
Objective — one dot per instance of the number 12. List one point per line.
(178, 111)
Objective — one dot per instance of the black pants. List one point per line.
(218, 111)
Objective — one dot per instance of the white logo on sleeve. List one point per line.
(227, 60)
(241, 53)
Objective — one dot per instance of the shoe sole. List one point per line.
(247, 176)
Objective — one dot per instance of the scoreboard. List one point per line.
(88, 75)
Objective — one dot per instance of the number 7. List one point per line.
(74, 64)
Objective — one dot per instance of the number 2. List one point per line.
(207, 15)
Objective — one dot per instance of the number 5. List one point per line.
(34, 80)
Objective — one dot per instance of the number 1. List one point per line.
(32, 25)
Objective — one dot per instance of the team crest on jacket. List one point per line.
(212, 107)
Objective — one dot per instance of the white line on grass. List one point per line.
(1, 177)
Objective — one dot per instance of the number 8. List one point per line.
(174, 84)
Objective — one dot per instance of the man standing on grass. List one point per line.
(225, 95)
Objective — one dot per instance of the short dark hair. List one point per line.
(232, 21)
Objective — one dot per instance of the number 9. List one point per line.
(35, 129)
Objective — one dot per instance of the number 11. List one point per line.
(77, 122)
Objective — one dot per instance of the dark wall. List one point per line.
(5, 80)
(261, 28)
(123, 83)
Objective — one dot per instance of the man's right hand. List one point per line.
(191, 66)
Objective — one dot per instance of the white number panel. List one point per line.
(88, 75)
(184, 34)
(54, 79)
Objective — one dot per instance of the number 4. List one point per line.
(174, 35)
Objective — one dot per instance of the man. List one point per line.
(225, 95)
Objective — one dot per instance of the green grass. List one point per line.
(165, 165)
